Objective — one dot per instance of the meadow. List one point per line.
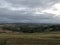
(46, 38)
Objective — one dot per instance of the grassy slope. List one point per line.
(50, 38)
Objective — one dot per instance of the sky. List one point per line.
(30, 11)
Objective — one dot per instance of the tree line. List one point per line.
(32, 28)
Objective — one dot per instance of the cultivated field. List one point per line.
(49, 38)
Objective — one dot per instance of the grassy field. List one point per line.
(49, 38)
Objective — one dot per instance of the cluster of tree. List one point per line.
(32, 28)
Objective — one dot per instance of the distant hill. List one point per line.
(28, 27)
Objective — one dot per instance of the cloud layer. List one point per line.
(41, 11)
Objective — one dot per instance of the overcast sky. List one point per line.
(30, 11)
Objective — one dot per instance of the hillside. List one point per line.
(29, 27)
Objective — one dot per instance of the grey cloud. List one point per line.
(30, 3)
(26, 15)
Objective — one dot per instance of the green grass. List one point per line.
(49, 38)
